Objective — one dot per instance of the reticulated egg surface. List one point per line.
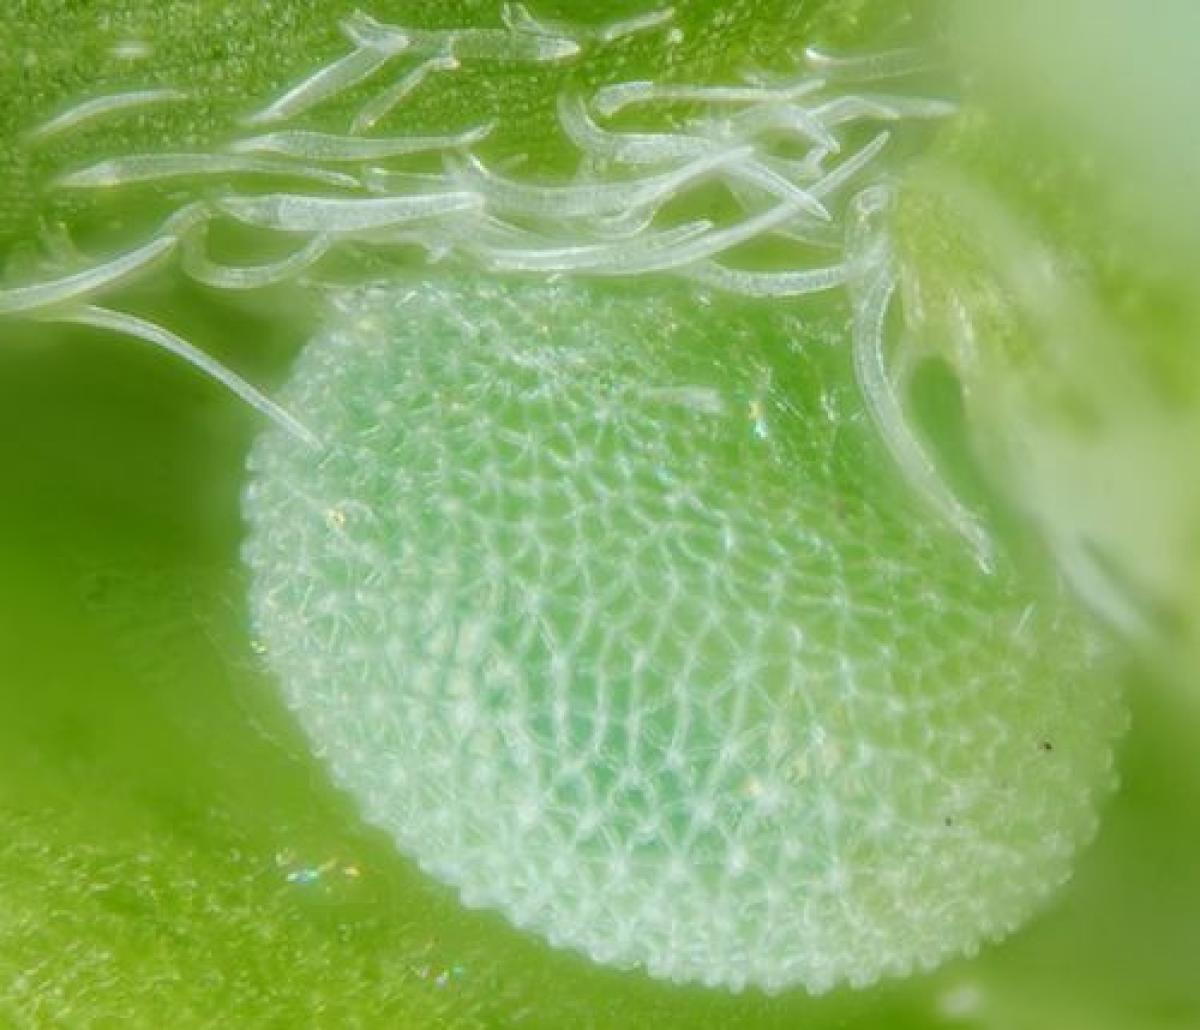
(607, 609)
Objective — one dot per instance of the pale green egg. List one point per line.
(607, 608)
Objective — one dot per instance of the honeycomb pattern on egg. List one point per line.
(605, 607)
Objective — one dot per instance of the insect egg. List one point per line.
(667, 690)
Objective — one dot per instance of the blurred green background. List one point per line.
(171, 854)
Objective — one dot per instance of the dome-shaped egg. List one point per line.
(610, 610)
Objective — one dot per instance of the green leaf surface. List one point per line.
(173, 854)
